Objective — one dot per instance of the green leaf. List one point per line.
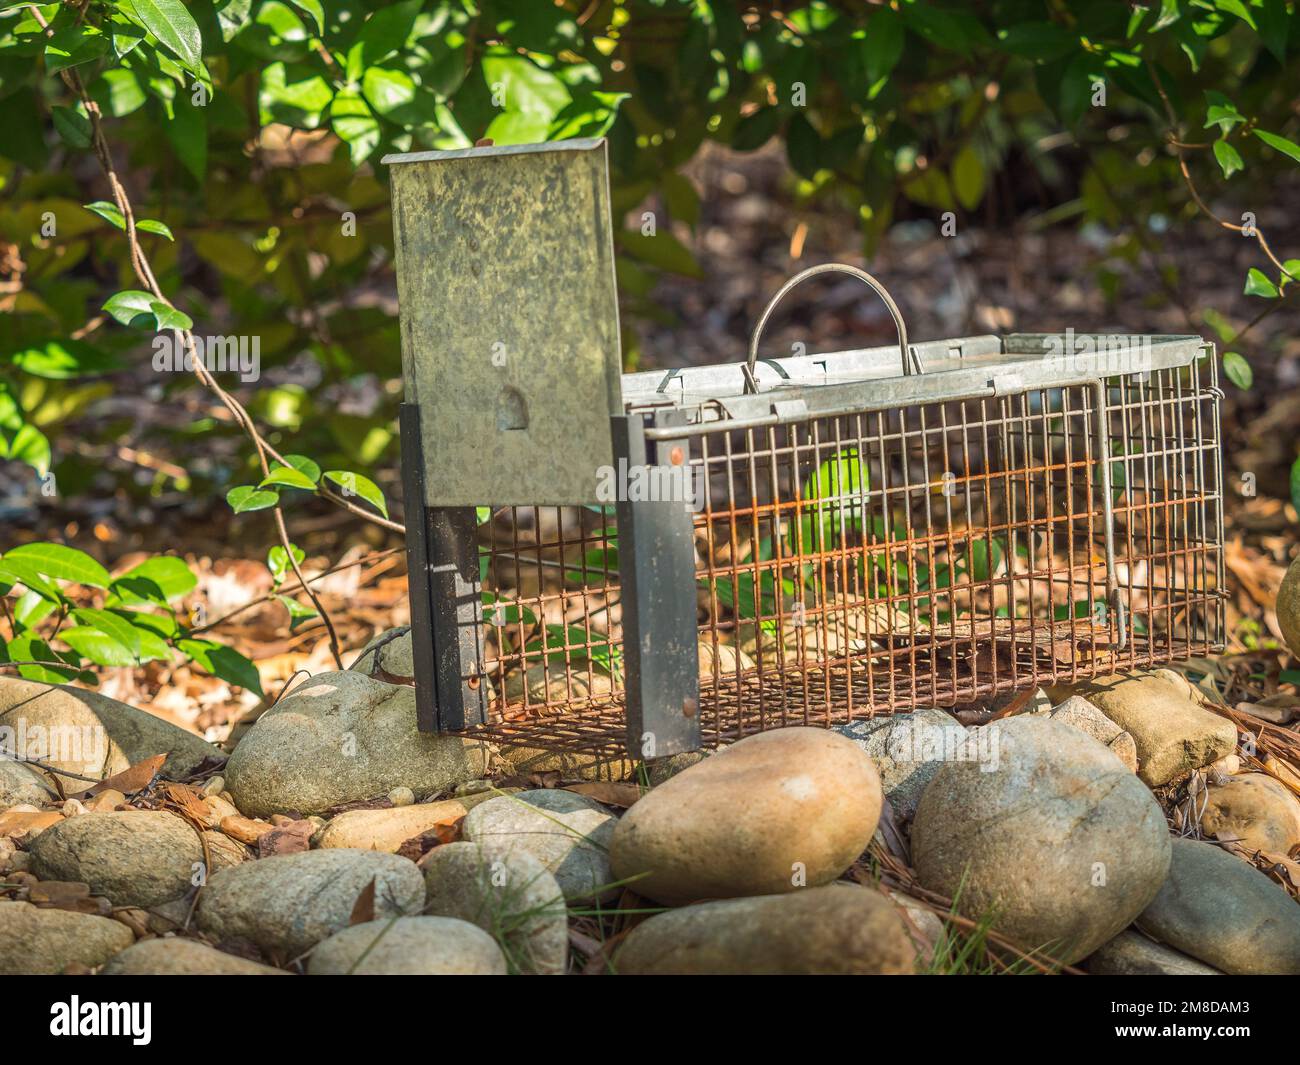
(62, 359)
(169, 317)
(277, 561)
(1295, 483)
(72, 126)
(128, 305)
(382, 34)
(289, 478)
(19, 572)
(1237, 370)
(110, 625)
(1221, 112)
(187, 130)
(246, 497)
(297, 612)
(883, 45)
(314, 9)
(352, 119)
(387, 90)
(1229, 158)
(28, 444)
(172, 577)
(31, 648)
(110, 213)
(223, 662)
(31, 609)
(483, 514)
(968, 177)
(354, 484)
(172, 24)
(1258, 284)
(1280, 144)
(96, 645)
(61, 563)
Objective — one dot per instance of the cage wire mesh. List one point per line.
(929, 555)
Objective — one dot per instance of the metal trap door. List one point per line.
(510, 339)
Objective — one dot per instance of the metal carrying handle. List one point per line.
(911, 364)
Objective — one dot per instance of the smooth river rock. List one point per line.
(343, 737)
(43, 942)
(507, 893)
(1047, 831)
(387, 829)
(388, 657)
(1167, 719)
(21, 784)
(131, 857)
(834, 929)
(568, 833)
(90, 734)
(1288, 607)
(178, 956)
(1078, 713)
(409, 946)
(1228, 914)
(1255, 811)
(289, 903)
(774, 812)
(1133, 954)
(907, 750)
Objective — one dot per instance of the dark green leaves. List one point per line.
(354, 484)
(1228, 157)
(110, 213)
(1279, 144)
(246, 498)
(172, 24)
(72, 126)
(223, 662)
(133, 307)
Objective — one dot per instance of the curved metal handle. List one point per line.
(911, 364)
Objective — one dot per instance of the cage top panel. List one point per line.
(872, 379)
(510, 339)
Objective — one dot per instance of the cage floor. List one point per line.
(774, 695)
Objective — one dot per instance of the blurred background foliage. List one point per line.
(250, 133)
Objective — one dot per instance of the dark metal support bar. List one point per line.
(455, 589)
(417, 568)
(657, 574)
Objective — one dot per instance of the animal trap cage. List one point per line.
(659, 561)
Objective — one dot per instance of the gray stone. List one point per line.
(43, 942)
(661, 770)
(131, 857)
(907, 749)
(1046, 830)
(340, 738)
(409, 946)
(177, 956)
(19, 783)
(830, 930)
(567, 833)
(507, 893)
(1228, 914)
(1167, 719)
(388, 657)
(1078, 713)
(290, 902)
(98, 736)
(774, 812)
(1133, 954)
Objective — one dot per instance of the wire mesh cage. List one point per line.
(795, 541)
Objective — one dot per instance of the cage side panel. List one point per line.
(509, 323)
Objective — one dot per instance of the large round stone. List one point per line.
(567, 833)
(1045, 830)
(1230, 915)
(1173, 731)
(131, 857)
(835, 929)
(90, 734)
(388, 657)
(409, 946)
(907, 750)
(19, 784)
(177, 956)
(343, 737)
(290, 902)
(43, 942)
(1254, 811)
(1132, 954)
(772, 813)
(509, 894)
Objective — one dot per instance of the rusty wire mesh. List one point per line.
(937, 555)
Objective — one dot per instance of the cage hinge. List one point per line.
(1006, 384)
(790, 409)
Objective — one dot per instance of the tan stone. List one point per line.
(387, 829)
(1255, 811)
(769, 814)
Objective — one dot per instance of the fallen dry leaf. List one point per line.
(129, 781)
(363, 909)
(107, 800)
(17, 823)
